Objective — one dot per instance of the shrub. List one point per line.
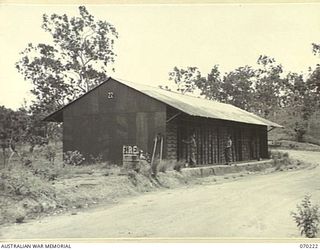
(179, 165)
(168, 165)
(132, 175)
(292, 145)
(25, 160)
(23, 183)
(280, 158)
(307, 218)
(73, 158)
(165, 165)
(96, 159)
(145, 168)
(20, 218)
(23, 194)
(50, 154)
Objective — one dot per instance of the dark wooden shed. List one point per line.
(118, 113)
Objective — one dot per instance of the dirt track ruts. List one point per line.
(256, 206)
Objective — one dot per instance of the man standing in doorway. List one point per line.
(193, 148)
(227, 150)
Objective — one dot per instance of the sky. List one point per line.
(155, 38)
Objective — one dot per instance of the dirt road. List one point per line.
(255, 206)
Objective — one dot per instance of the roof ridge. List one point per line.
(171, 91)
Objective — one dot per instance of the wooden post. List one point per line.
(161, 147)
(211, 146)
(154, 149)
(207, 145)
(4, 156)
(198, 148)
(218, 145)
(203, 152)
(204, 144)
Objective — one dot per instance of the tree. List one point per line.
(185, 78)
(238, 87)
(295, 103)
(21, 126)
(269, 83)
(290, 100)
(314, 77)
(13, 124)
(76, 61)
(211, 86)
(190, 79)
(316, 48)
(255, 90)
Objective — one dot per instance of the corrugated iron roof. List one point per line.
(198, 106)
(191, 105)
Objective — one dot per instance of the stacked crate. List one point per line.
(246, 143)
(171, 138)
(222, 142)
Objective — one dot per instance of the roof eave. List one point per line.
(56, 116)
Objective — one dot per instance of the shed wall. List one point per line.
(98, 124)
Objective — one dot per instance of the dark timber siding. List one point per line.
(96, 124)
(172, 133)
(249, 141)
